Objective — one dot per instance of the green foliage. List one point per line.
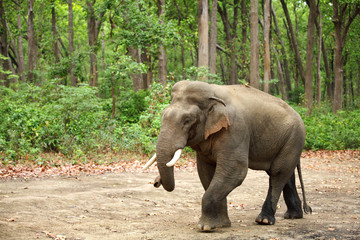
(131, 105)
(141, 136)
(75, 121)
(51, 118)
(326, 130)
(198, 73)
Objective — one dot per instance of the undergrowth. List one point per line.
(76, 122)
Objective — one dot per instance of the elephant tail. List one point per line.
(306, 207)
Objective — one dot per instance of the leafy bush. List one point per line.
(326, 130)
(75, 122)
(131, 105)
(51, 118)
(141, 136)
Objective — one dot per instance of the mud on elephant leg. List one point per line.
(292, 200)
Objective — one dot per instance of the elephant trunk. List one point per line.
(166, 173)
(165, 151)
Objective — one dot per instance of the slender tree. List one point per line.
(4, 62)
(231, 36)
(283, 51)
(254, 42)
(293, 39)
(267, 65)
(21, 59)
(93, 25)
(203, 60)
(71, 44)
(213, 37)
(244, 26)
(309, 56)
(162, 50)
(318, 60)
(32, 47)
(281, 75)
(137, 78)
(55, 34)
(341, 11)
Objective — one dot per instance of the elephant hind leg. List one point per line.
(276, 185)
(292, 200)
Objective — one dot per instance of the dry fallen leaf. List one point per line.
(49, 234)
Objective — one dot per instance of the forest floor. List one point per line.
(116, 200)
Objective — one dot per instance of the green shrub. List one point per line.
(51, 118)
(76, 121)
(131, 105)
(326, 130)
(141, 136)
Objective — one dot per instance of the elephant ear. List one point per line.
(217, 119)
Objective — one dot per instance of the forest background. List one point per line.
(86, 77)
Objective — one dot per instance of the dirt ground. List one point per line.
(127, 206)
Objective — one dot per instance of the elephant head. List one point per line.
(194, 114)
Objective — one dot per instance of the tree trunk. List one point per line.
(32, 47)
(230, 35)
(93, 33)
(281, 76)
(203, 59)
(162, 51)
(21, 60)
(4, 63)
(145, 58)
(254, 45)
(267, 65)
(294, 42)
(182, 57)
(136, 77)
(180, 17)
(283, 52)
(341, 30)
(213, 37)
(318, 62)
(91, 23)
(71, 45)
(309, 56)
(244, 26)
(55, 35)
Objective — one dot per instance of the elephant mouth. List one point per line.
(171, 163)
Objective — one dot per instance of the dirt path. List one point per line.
(127, 206)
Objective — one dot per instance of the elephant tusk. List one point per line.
(150, 162)
(175, 158)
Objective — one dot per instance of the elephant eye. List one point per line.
(187, 121)
(211, 108)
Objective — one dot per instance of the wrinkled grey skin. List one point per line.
(232, 128)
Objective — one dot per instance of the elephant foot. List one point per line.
(265, 219)
(209, 225)
(293, 214)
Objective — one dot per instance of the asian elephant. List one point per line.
(232, 128)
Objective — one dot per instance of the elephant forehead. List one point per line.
(192, 93)
(178, 111)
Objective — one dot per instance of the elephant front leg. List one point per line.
(214, 214)
(218, 183)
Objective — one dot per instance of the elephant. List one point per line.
(232, 128)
